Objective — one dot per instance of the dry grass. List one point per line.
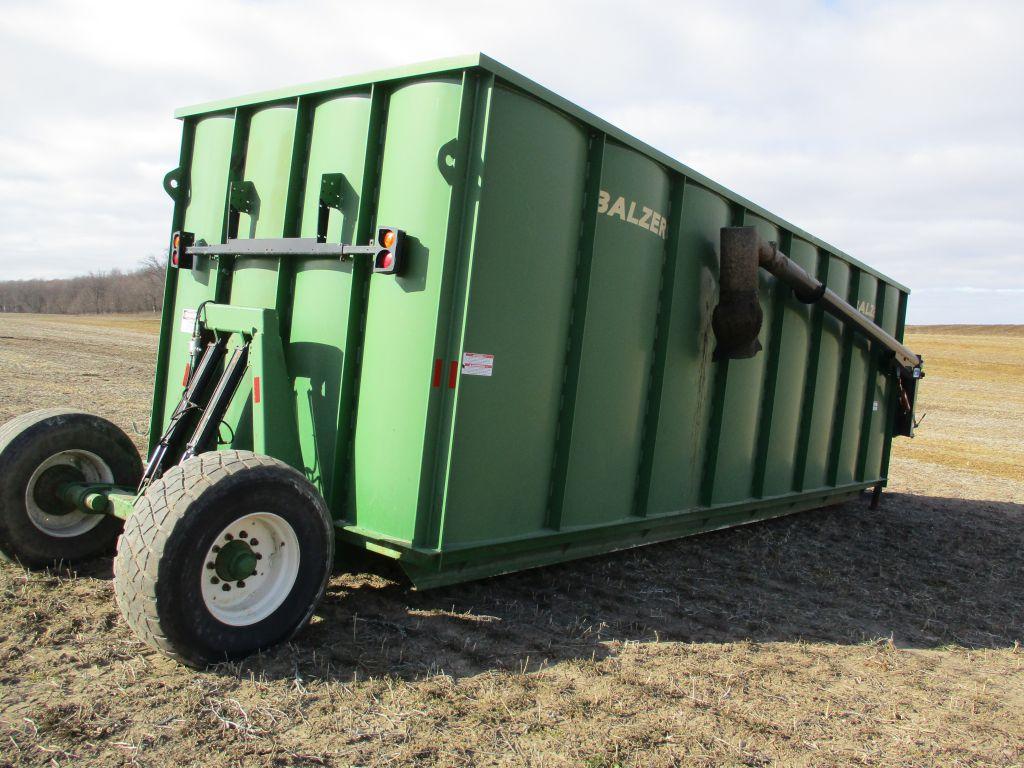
(972, 403)
(839, 637)
(142, 322)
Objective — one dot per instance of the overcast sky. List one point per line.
(894, 130)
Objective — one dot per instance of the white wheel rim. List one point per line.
(93, 469)
(239, 603)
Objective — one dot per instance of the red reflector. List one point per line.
(453, 374)
(437, 372)
(188, 370)
(387, 260)
(255, 389)
(174, 259)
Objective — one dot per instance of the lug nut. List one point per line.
(243, 535)
(215, 580)
(240, 584)
(228, 536)
(226, 587)
(254, 542)
(210, 566)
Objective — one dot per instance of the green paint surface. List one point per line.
(520, 293)
(618, 340)
(784, 424)
(685, 408)
(321, 329)
(881, 392)
(391, 459)
(857, 381)
(604, 421)
(204, 216)
(827, 375)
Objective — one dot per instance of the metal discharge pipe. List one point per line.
(743, 250)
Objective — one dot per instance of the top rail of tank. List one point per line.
(482, 62)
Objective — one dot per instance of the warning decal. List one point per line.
(188, 321)
(476, 364)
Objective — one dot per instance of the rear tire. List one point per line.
(227, 554)
(39, 452)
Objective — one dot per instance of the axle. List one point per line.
(99, 498)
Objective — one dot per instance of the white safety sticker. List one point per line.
(188, 321)
(874, 406)
(476, 364)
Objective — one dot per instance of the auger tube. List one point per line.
(740, 246)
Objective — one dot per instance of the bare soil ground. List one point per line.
(838, 637)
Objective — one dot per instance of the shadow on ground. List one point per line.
(925, 572)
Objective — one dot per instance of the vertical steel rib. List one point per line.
(574, 351)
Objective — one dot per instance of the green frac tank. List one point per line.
(538, 381)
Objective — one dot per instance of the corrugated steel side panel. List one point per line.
(584, 262)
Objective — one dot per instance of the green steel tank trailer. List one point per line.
(448, 317)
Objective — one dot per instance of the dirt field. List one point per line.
(829, 638)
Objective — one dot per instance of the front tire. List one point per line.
(227, 554)
(39, 453)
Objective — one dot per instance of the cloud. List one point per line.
(891, 129)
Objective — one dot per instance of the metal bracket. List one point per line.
(274, 429)
(172, 184)
(284, 246)
(243, 197)
(331, 186)
(906, 394)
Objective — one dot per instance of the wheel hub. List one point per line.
(236, 561)
(47, 490)
(249, 568)
(47, 510)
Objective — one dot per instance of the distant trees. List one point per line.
(137, 290)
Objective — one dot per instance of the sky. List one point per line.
(893, 130)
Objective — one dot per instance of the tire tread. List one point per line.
(141, 546)
(20, 426)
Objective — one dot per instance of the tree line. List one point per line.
(136, 290)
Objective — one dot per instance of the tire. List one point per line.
(41, 450)
(179, 589)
